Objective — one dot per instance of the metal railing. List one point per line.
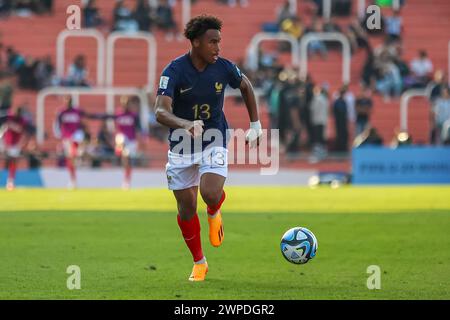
(325, 36)
(404, 104)
(108, 48)
(326, 8)
(40, 105)
(86, 33)
(152, 56)
(252, 49)
(186, 11)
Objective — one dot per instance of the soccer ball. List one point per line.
(299, 245)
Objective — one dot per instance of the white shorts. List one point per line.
(184, 171)
(10, 151)
(129, 147)
(78, 137)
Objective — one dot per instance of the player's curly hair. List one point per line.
(198, 26)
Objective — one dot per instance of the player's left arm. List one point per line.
(96, 116)
(248, 94)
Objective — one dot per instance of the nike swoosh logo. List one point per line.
(185, 90)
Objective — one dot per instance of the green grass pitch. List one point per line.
(128, 245)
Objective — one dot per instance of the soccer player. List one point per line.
(190, 100)
(70, 127)
(13, 135)
(127, 126)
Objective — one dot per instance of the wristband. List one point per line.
(255, 125)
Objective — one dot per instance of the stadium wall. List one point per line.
(403, 165)
(112, 178)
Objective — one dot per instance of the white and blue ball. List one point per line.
(299, 245)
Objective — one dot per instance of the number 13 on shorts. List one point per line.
(218, 157)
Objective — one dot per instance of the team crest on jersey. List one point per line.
(219, 87)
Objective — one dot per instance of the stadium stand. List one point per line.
(425, 26)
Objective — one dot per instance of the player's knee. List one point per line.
(211, 197)
(187, 210)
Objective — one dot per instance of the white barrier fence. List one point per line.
(325, 36)
(404, 105)
(108, 48)
(252, 49)
(87, 33)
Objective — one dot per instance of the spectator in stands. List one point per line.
(105, 142)
(144, 15)
(438, 83)
(364, 107)
(305, 111)
(317, 45)
(330, 25)
(44, 73)
(421, 69)
(403, 68)
(6, 94)
(273, 101)
(349, 98)
(14, 59)
(390, 82)
(34, 155)
(319, 118)
(441, 113)
(288, 92)
(394, 26)
(47, 5)
(342, 7)
(27, 7)
(284, 12)
(293, 26)
(91, 15)
(369, 72)
(166, 20)
(5, 7)
(123, 18)
(26, 74)
(78, 74)
(357, 35)
(24, 8)
(340, 121)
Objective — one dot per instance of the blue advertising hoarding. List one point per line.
(404, 165)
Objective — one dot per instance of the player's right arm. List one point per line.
(165, 116)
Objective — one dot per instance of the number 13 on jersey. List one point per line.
(202, 112)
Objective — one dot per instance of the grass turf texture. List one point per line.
(128, 244)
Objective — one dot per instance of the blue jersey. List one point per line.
(199, 95)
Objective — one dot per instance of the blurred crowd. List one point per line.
(301, 108)
(25, 8)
